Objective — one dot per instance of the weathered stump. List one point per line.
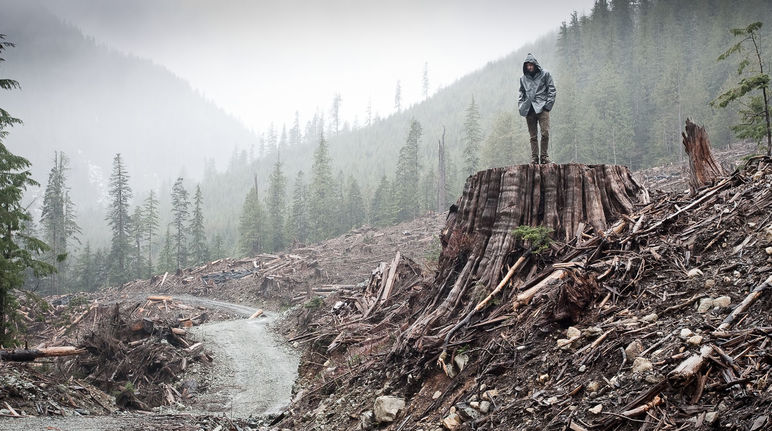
(477, 241)
(703, 168)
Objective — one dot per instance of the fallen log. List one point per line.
(27, 355)
(750, 299)
(159, 298)
(256, 314)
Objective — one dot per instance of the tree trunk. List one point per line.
(27, 355)
(477, 240)
(703, 167)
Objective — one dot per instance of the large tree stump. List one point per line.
(703, 168)
(477, 241)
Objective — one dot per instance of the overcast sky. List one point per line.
(262, 60)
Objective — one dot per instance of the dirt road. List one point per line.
(252, 375)
(253, 369)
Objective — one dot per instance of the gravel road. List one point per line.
(252, 375)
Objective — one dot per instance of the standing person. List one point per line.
(537, 95)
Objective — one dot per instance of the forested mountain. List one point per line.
(627, 75)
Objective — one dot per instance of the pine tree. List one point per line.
(276, 203)
(86, 272)
(472, 137)
(58, 220)
(137, 235)
(118, 219)
(198, 236)
(166, 257)
(321, 200)
(217, 247)
(381, 208)
(355, 206)
(180, 214)
(18, 249)
(298, 223)
(251, 224)
(758, 118)
(150, 223)
(406, 177)
(294, 133)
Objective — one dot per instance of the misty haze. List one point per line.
(317, 214)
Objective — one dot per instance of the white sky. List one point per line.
(262, 60)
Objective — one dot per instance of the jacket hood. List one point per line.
(531, 59)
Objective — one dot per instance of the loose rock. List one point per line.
(597, 409)
(387, 407)
(641, 365)
(633, 350)
(722, 302)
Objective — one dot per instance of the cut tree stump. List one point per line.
(477, 240)
(703, 168)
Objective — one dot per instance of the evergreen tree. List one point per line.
(180, 214)
(472, 137)
(18, 249)
(321, 201)
(382, 211)
(277, 207)
(198, 247)
(758, 118)
(217, 247)
(251, 224)
(355, 206)
(86, 271)
(58, 220)
(118, 219)
(407, 176)
(166, 257)
(294, 133)
(150, 224)
(298, 223)
(137, 235)
(101, 269)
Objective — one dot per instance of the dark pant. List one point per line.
(543, 120)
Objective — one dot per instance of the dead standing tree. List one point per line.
(703, 168)
(478, 244)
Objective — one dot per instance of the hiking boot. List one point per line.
(545, 160)
(534, 160)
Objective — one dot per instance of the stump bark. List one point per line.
(477, 240)
(703, 167)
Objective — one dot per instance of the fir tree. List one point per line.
(407, 175)
(276, 203)
(321, 202)
(18, 249)
(381, 207)
(180, 214)
(118, 219)
(58, 220)
(198, 247)
(425, 81)
(86, 271)
(758, 118)
(472, 138)
(150, 223)
(251, 224)
(137, 235)
(166, 257)
(298, 223)
(355, 206)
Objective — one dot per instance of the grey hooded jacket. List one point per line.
(537, 90)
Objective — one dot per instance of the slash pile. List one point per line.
(661, 321)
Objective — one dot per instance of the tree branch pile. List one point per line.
(658, 320)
